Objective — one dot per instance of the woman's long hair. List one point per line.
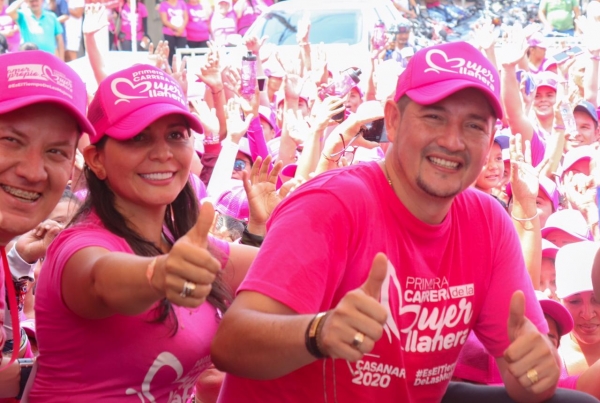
(101, 200)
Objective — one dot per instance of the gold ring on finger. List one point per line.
(532, 375)
(188, 289)
(358, 339)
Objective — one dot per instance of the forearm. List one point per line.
(63, 18)
(590, 91)
(256, 140)
(219, 102)
(511, 96)
(221, 176)
(490, 53)
(9, 378)
(554, 153)
(95, 57)
(273, 344)
(120, 283)
(371, 93)
(307, 163)
(60, 47)
(306, 58)
(12, 10)
(530, 237)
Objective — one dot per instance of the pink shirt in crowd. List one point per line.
(174, 14)
(7, 23)
(120, 358)
(222, 26)
(197, 27)
(448, 280)
(142, 12)
(251, 13)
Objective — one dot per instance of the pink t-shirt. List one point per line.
(251, 13)
(174, 14)
(7, 23)
(142, 12)
(197, 27)
(222, 26)
(119, 358)
(448, 279)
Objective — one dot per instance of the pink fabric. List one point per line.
(174, 15)
(142, 12)
(436, 72)
(37, 76)
(223, 26)
(129, 100)
(7, 23)
(250, 14)
(456, 270)
(198, 24)
(119, 358)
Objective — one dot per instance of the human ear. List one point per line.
(95, 161)
(392, 116)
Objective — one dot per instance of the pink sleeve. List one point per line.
(292, 239)
(509, 275)
(143, 11)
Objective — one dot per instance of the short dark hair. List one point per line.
(28, 46)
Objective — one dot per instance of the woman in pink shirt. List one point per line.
(9, 28)
(131, 292)
(223, 22)
(174, 17)
(127, 16)
(198, 29)
(247, 11)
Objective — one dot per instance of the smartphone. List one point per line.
(564, 55)
(375, 131)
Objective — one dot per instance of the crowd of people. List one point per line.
(426, 234)
(55, 26)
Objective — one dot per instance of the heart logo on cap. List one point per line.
(454, 63)
(138, 89)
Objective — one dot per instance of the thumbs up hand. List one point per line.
(531, 356)
(187, 272)
(356, 323)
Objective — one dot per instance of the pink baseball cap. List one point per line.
(439, 71)
(537, 40)
(585, 152)
(128, 101)
(234, 203)
(267, 114)
(549, 250)
(573, 265)
(570, 221)
(34, 77)
(556, 311)
(547, 79)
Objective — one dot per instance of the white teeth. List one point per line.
(444, 163)
(157, 176)
(22, 194)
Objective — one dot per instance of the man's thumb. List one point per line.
(372, 287)
(516, 316)
(199, 232)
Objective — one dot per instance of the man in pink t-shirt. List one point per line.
(42, 113)
(401, 260)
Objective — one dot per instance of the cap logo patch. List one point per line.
(40, 72)
(457, 65)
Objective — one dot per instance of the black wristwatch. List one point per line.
(26, 365)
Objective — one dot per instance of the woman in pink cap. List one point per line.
(132, 292)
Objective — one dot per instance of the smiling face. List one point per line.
(148, 170)
(587, 131)
(492, 173)
(543, 103)
(586, 314)
(440, 149)
(37, 150)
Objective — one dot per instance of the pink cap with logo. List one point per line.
(437, 72)
(128, 101)
(34, 77)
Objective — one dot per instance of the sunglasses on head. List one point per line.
(239, 165)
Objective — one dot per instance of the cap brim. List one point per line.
(547, 230)
(559, 313)
(21, 102)
(581, 108)
(135, 122)
(432, 93)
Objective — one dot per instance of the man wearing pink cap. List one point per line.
(42, 114)
(377, 287)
